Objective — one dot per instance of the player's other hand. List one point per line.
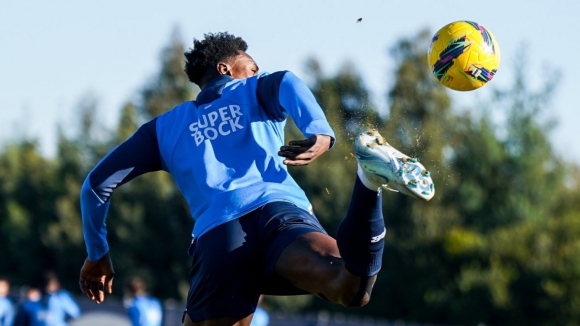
(303, 152)
(96, 278)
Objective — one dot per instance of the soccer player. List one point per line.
(143, 309)
(60, 303)
(33, 311)
(255, 232)
(47, 305)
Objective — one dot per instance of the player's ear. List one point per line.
(223, 69)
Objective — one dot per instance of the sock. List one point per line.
(360, 236)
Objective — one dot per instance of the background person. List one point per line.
(33, 311)
(143, 309)
(61, 305)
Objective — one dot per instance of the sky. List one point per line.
(55, 53)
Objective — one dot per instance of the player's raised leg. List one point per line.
(344, 270)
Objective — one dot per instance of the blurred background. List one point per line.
(498, 245)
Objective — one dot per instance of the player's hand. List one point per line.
(96, 278)
(303, 152)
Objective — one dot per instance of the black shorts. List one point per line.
(233, 263)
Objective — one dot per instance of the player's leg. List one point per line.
(344, 271)
(314, 262)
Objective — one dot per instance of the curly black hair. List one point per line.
(207, 53)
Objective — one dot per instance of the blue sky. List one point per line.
(52, 53)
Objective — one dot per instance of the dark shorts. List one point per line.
(233, 263)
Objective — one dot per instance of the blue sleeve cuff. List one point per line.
(319, 127)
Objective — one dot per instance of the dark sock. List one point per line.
(360, 236)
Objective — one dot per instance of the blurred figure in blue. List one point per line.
(6, 305)
(52, 306)
(143, 309)
(61, 305)
(261, 317)
(33, 311)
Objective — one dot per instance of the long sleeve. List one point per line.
(283, 93)
(6, 312)
(137, 155)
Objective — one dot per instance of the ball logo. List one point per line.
(220, 122)
(455, 49)
(480, 73)
(485, 35)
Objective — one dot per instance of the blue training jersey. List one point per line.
(61, 305)
(221, 150)
(32, 313)
(260, 318)
(144, 310)
(6, 312)
(53, 310)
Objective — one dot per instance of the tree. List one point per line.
(171, 86)
(27, 207)
(512, 189)
(418, 125)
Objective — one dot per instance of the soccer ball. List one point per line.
(464, 55)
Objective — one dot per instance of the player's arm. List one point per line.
(282, 94)
(137, 155)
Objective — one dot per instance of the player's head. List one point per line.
(4, 287)
(134, 286)
(51, 283)
(33, 294)
(218, 54)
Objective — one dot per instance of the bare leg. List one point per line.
(313, 263)
(342, 271)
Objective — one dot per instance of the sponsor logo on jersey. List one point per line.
(220, 122)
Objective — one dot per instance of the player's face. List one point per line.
(4, 288)
(242, 66)
(52, 286)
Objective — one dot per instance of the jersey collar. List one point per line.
(213, 89)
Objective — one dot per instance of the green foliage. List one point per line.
(149, 223)
(37, 219)
(471, 254)
(171, 86)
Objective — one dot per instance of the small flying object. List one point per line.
(359, 20)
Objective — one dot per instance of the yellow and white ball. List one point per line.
(464, 55)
